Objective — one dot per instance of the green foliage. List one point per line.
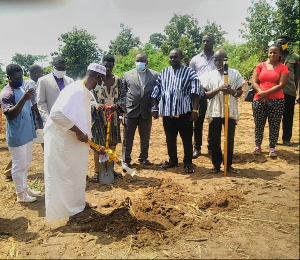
(182, 32)
(265, 23)
(79, 50)
(241, 58)
(258, 29)
(2, 77)
(285, 18)
(156, 60)
(216, 31)
(125, 63)
(25, 61)
(156, 39)
(48, 69)
(124, 42)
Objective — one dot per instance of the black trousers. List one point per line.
(198, 125)
(184, 126)
(288, 117)
(144, 127)
(215, 130)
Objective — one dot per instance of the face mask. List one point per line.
(284, 46)
(59, 74)
(17, 83)
(98, 87)
(140, 65)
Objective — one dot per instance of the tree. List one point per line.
(216, 31)
(156, 59)
(79, 50)
(2, 77)
(266, 22)
(285, 19)
(25, 61)
(124, 42)
(241, 58)
(182, 32)
(156, 39)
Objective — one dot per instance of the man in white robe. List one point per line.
(66, 133)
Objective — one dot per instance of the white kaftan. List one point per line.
(66, 158)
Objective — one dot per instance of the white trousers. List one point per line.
(21, 159)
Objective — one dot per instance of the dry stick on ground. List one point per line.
(196, 239)
(130, 245)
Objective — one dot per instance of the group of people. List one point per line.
(72, 113)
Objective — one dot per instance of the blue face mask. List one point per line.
(16, 83)
(140, 65)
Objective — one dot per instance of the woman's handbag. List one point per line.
(250, 93)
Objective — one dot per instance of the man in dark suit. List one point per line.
(139, 84)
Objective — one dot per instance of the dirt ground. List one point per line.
(167, 214)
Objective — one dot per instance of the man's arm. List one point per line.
(16, 110)
(297, 72)
(41, 100)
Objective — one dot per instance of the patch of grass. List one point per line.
(37, 184)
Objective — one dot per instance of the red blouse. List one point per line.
(269, 78)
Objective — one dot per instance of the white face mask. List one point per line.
(59, 74)
(98, 87)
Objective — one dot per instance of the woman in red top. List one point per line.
(269, 78)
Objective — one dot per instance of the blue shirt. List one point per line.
(173, 90)
(20, 130)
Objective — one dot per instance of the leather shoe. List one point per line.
(145, 162)
(196, 153)
(287, 143)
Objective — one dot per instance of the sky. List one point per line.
(34, 26)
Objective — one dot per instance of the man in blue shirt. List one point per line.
(176, 98)
(19, 130)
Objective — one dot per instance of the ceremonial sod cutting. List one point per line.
(182, 146)
(165, 213)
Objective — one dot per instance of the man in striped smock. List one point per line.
(176, 99)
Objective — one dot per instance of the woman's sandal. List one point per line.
(257, 150)
(272, 152)
(81, 218)
(189, 169)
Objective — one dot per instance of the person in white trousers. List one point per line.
(20, 130)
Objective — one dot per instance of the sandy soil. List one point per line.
(167, 214)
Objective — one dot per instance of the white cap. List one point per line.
(97, 67)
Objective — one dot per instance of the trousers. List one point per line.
(288, 117)
(273, 112)
(215, 128)
(184, 126)
(144, 127)
(21, 159)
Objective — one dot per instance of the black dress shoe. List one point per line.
(167, 165)
(287, 143)
(145, 162)
(196, 153)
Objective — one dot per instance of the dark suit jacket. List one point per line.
(135, 104)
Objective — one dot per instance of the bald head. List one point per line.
(220, 55)
(141, 57)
